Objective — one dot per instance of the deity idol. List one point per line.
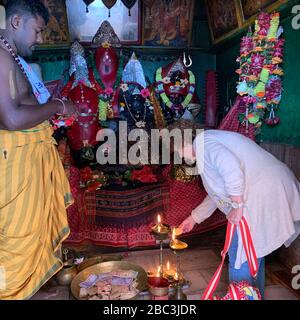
(83, 91)
(107, 70)
(176, 87)
(135, 105)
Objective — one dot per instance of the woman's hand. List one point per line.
(187, 225)
(235, 215)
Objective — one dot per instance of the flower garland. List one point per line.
(260, 83)
(144, 175)
(160, 88)
(59, 121)
(91, 180)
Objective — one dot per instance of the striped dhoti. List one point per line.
(34, 195)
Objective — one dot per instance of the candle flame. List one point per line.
(158, 271)
(168, 266)
(173, 234)
(159, 219)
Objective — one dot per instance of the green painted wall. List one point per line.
(288, 131)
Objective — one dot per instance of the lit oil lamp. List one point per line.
(158, 287)
(176, 244)
(160, 230)
(161, 233)
(169, 273)
(178, 247)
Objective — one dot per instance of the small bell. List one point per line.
(129, 4)
(88, 2)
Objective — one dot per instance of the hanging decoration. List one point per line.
(109, 4)
(260, 82)
(87, 3)
(129, 4)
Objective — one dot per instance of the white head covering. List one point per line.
(133, 72)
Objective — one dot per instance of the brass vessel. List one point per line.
(65, 276)
(158, 287)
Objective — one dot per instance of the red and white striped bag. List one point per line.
(237, 290)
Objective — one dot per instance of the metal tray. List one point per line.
(108, 267)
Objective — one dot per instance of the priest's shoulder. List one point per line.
(6, 61)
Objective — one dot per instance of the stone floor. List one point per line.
(198, 264)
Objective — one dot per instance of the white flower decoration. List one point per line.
(166, 80)
(124, 87)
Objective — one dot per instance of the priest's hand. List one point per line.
(187, 225)
(70, 108)
(235, 215)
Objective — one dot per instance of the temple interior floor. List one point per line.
(198, 264)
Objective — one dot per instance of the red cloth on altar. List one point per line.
(130, 233)
(134, 232)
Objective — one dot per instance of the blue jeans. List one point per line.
(244, 272)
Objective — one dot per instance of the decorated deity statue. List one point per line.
(134, 98)
(83, 91)
(107, 71)
(176, 87)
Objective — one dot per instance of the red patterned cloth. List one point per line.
(130, 233)
(134, 232)
(126, 204)
(184, 197)
(231, 122)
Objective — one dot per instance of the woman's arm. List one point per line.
(204, 210)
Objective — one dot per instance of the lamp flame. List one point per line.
(159, 219)
(168, 266)
(174, 234)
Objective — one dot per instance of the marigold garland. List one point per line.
(260, 82)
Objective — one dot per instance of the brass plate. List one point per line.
(95, 260)
(108, 267)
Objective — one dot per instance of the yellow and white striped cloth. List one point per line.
(34, 195)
